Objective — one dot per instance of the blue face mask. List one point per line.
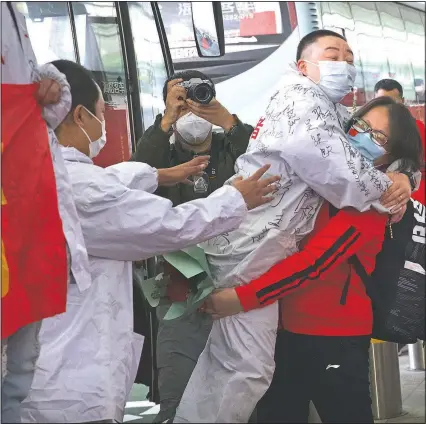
(366, 146)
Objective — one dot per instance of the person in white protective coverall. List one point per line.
(19, 66)
(89, 355)
(301, 134)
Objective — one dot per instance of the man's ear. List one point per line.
(301, 66)
(77, 115)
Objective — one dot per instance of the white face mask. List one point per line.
(336, 78)
(96, 146)
(193, 129)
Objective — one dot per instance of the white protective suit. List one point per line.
(90, 354)
(301, 136)
(19, 66)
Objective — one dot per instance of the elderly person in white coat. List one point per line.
(89, 355)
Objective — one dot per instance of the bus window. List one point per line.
(253, 31)
(49, 29)
(150, 61)
(100, 51)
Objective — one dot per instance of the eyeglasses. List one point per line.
(377, 136)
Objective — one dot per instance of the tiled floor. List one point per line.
(139, 410)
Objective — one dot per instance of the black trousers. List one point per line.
(332, 372)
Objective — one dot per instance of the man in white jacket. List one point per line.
(89, 355)
(301, 134)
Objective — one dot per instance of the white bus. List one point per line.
(132, 47)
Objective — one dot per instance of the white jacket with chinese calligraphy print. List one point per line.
(301, 135)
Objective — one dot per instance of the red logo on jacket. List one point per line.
(259, 125)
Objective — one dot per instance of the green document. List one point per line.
(176, 310)
(198, 254)
(184, 263)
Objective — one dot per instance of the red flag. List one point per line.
(34, 263)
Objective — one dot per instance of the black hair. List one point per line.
(404, 140)
(84, 90)
(312, 37)
(186, 76)
(388, 84)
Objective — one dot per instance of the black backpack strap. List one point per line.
(212, 170)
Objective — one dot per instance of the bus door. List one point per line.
(87, 33)
(100, 50)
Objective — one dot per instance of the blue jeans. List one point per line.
(22, 352)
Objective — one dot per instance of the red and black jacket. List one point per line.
(311, 284)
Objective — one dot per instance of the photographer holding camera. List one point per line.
(184, 131)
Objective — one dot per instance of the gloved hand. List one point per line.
(49, 92)
(54, 112)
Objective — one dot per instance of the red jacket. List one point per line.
(310, 283)
(420, 193)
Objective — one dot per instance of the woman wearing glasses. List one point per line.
(322, 350)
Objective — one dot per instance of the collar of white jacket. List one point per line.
(71, 154)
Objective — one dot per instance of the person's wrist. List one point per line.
(160, 176)
(166, 124)
(164, 176)
(229, 122)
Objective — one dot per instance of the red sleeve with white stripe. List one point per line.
(344, 235)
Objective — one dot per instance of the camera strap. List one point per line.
(212, 168)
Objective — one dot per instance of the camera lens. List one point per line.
(203, 94)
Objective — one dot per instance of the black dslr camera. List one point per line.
(198, 90)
